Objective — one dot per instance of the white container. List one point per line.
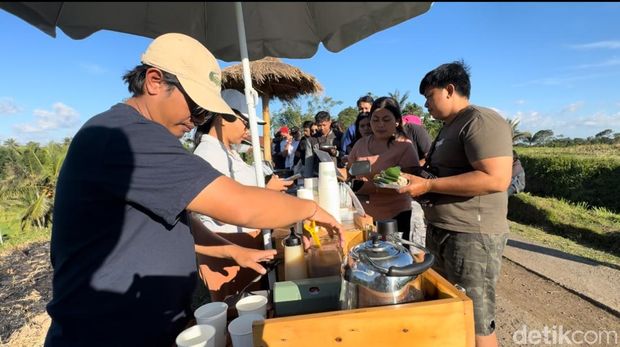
(253, 304)
(304, 193)
(214, 313)
(309, 182)
(347, 215)
(329, 198)
(201, 335)
(240, 330)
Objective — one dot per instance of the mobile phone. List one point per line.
(292, 178)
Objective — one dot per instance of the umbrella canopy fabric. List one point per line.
(280, 29)
(283, 29)
(272, 78)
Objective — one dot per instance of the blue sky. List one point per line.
(552, 65)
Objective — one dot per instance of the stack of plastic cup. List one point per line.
(329, 190)
(312, 183)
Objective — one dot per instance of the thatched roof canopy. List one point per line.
(272, 77)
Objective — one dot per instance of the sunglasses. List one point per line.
(231, 118)
(197, 113)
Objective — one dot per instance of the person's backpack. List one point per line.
(517, 183)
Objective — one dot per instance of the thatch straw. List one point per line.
(272, 77)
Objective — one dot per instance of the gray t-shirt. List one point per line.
(475, 133)
(122, 252)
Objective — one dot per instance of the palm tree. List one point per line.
(30, 183)
(402, 99)
(516, 134)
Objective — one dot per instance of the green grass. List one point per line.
(562, 244)
(567, 226)
(13, 236)
(589, 151)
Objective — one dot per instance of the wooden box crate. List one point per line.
(444, 318)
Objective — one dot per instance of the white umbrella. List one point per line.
(282, 29)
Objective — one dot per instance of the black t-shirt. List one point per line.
(419, 137)
(121, 249)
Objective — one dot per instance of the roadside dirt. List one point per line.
(523, 299)
(526, 299)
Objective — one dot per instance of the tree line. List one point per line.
(546, 137)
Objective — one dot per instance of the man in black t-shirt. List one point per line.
(123, 240)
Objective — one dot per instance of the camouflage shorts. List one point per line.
(473, 261)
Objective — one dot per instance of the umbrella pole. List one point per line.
(266, 127)
(249, 98)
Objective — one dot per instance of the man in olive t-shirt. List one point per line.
(472, 158)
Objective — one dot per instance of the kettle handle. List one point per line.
(412, 269)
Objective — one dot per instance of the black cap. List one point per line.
(387, 227)
(292, 239)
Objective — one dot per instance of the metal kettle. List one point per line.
(378, 272)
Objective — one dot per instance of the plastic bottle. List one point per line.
(294, 261)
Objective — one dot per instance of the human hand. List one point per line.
(250, 258)
(324, 219)
(417, 185)
(333, 152)
(276, 183)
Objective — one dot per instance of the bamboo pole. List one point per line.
(266, 127)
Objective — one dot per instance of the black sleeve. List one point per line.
(422, 140)
(165, 177)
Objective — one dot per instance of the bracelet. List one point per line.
(316, 209)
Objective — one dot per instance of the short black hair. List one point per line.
(307, 124)
(136, 77)
(455, 73)
(322, 116)
(365, 98)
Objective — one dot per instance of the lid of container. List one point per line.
(292, 240)
(382, 253)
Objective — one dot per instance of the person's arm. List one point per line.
(209, 243)
(491, 175)
(252, 207)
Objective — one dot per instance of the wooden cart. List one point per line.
(444, 318)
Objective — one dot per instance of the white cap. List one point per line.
(235, 99)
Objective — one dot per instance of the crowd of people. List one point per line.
(138, 219)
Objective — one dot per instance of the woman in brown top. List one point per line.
(386, 147)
